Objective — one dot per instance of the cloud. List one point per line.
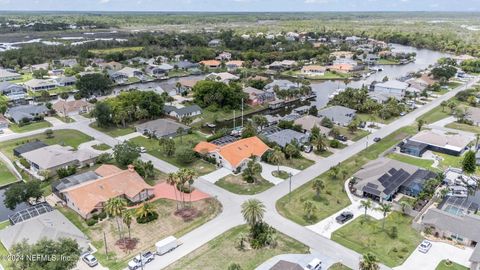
(104, 1)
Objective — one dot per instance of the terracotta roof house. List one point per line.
(313, 70)
(66, 108)
(211, 63)
(53, 157)
(89, 197)
(233, 156)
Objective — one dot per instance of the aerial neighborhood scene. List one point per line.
(240, 135)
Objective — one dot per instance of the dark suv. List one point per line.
(344, 217)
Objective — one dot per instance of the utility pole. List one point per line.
(289, 186)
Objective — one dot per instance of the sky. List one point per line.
(241, 5)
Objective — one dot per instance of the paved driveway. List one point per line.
(268, 169)
(301, 259)
(437, 253)
(216, 175)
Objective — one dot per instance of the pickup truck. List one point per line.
(141, 260)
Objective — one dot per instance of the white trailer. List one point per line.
(166, 245)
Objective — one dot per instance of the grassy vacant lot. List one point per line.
(444, 265)
(6, 177)
(424, 163)
(435, 114)
(114, 131)
(333, 198)
(146, 234)
(366, 235)
(221, 252)
(297, 163)
(101, 147)
(339, 266)
(355, 136)
(236, 184)
(186, 141)
(30, 127)
(116, 50)
(464, 127)
(384, 61)
(68, 137)
(374, 118)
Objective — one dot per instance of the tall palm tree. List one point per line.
(127, 219)
(114, 208)
(319, 142)
(276, 157)
(253, 211)
(366, 204)
(318, 186)
(369, 262)
(145, 210)
(385, 208)
(420, 123)
(190, 176)
(172, 180)
(405, 205)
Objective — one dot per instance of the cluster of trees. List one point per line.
(21, 192)
(444, 72)
(472, 65)
(181, 182)
(261, 234)
(94, 84)
(128, 107)
(218, 95)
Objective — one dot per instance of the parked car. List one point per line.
(141, 260)
(344, 217)
(143, 149)
(403, 113)
(341, 138)
(425, 246)
(315, 264)
(377, 139)
(89, 259)
(307, 148)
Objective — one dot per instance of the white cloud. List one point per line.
(104, 1)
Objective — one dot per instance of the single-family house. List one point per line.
(111, 65)
(187, 84)
(27, 147)
(26, 112)
(44, 66)
(286, 265)
(158, 70)
(89, 197)
(67, 62)
(472, 114)
(309, 121)
(342, 54)
(339, 115)
(224, 56)
(283, 137)
(233, 156)
(258, 97)
(66, 108)
(131, 72)
(185, 65)
(66, 81)
(282, 65)
(438, 141)
(7, 75)
(161, 128)
(53, 157)
(40, 84)
(41, 222)
(234, 65)
(12, 91)
(224, 77)
(211, 63)
(313, 70)
(214, 43)
(391, 88)
(282, 85)
(180, 113)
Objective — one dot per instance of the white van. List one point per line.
(315, 264)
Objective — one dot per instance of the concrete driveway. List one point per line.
(438, 252)
(216, 175)
(301, 259)
(268, 169)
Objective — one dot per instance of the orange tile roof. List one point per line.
(114, 183)
(237, 151)
(210, 62)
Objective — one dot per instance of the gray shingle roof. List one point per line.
(466, 226)
(161, 127)
(286, 136)
(26, 111)
(338, 114)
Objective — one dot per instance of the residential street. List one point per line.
(231, 215)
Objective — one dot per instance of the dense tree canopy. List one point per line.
(218, 95)
(94, 84)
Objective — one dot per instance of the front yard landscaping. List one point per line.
(424, 163)
(6, 177)
(145, 235)
(366, 235)
(101, 147)
(448, 265)
(464, 127)
(68, 137)
(436, 114)
(219, 253)
(114, 131)
(236, 184)
(281, 174)
(187, 141)
(339, 266)
(333, 197)
(29, 127)
(297, 163)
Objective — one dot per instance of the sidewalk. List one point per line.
(268, 169)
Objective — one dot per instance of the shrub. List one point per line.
(102, 216)
(25, 163)
(90, 222)
(394, 232)
(334, 144)
(150, 217)
(186, 156)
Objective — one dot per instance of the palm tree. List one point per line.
(385, 208)
(318, 185)
(172, 180)
(405, 205)
(178, 85)
(253, 211)
(366, 204)
(369, 262)
(319, 142)
(144, 211)
(127, 219)
(190, 177)
(309, 209)
(477, 139)
(114, 208)
(444, 104)
(420, 123)
(276, 157)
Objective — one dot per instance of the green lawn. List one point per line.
(435, 114)
(65, 119)
(366, 235)
(25, 77)
(333, 198)
(325, 153)
(297, 163)
(4, 258)
(209, 116)
(444, 265)
(114, 131)
(116, 50)
(424, 163)
(68, 137)
(355, 136)
(6, 177)
(383, 61)
(339, 266)
(201, 167)
(328, 75)
(449, 161)
(221, 252)
(281, 174)
(464, 127)
(365, 117)
(236, 184)
(4, 224)
(101, 147)
(30, 127)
